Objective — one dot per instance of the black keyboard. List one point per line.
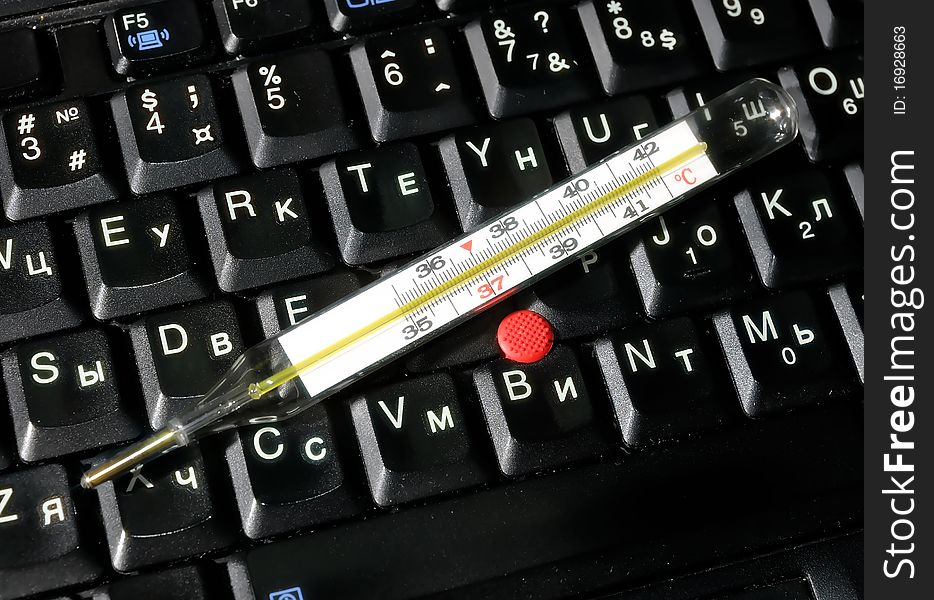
(182, 178)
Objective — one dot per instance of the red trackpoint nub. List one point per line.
(525, 336)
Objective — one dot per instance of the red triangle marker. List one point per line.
(468, 245)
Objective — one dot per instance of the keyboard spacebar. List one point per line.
(634, 504)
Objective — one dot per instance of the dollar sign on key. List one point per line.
(668, 39)
(149, 100)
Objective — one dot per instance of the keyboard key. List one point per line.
(259, 230)
(692, 257)
(34, 299)
(741, 33)
(50, 162)
(540, 415)
(526, 61)
(291, 474)
(414, 440)
(287, 304)
(358, 15)
(411, 85)
(854, 178)
(665, 381)
(781, 354)
(42, 549)
(494, 167)
(136, 257)
(292, 109)
(181, 354)
(6, 454)
(461, 6)
(182, 583)
(469, 343)
(840, 22)
(165, 510)
(171, 135)
(637, 45)
(829, 94)
(27, 70)
(695, 94)
(64, 395)
(249, 26)
(800, 227)
(381, 204)
(847, 301)
(594, 131)
(152, 37)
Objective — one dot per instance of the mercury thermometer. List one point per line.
(324, 353)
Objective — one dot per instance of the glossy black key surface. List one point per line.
(42, 548)
(359, 15)
(381, 204)
(466, 344)
(65, 396)
(292, 109)
(259, 230)
(249, 26)
(171, 135)
(542, 414)
(855, 181)
(638, 45)
(847, 300)
(411, 84)
(85, 64)
(840, 22)
(459, 6)
(287, 304)
(50, 161)
(783, 353)
(493, 167)
(415, 441)
(27, 69)
(136, 256)
(828, 92)
(695, 94)
(526, 61)
(665, 380)
(152, 37)
(34, 299)
(163, 511)
(181, 354)
(182, 583)
(741, 33)
(291, 474)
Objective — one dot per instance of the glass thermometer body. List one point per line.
(335, 347)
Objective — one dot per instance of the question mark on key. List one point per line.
(544, 18)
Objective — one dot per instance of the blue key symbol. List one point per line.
(149, 39)
(294, 593)
(364, 3)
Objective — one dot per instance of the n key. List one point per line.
(49, 161)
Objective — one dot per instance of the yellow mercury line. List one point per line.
(258, 389)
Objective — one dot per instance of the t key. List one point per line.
(49, 161)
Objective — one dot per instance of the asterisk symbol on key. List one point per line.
(613, 7)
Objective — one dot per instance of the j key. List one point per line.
(162, 511)
(854, 178)
(742, 33)
(49, 161)
(414, 440)
(42, 549)
(692, 257)
(829, 94)
(136, 257)
(594, 131)
(410, 84)
(358, 15)
(34, 299)
(800, 227)
(292, 109)
(526, 61)
(664, 381)
(27, 69)
(781, 354)
(181, 354)
(469, 343)
(249, 26)
(64, 396)
(291, 474)
(381, 204)
(539, 415)
(493, 167)
(287, 304)
(171, 135)
(259, 230)
(840, 21)
(847, 300)
(182, 583)
(592, 296)
(638, 45)
(144, 39)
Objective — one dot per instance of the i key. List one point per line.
(259, 230)
(637, 45)
(287, 304)
(249, 26)
(136, 257)
(64, 395)
(50, 162)
(148, 38)
(171, 135)
(181, 354)
(292, 109)
(410, 84)
(526, 62)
